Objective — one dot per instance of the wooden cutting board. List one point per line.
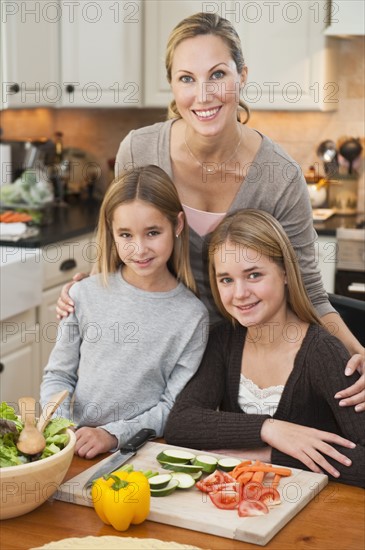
(192, 509)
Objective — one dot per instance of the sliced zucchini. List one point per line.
(185, 480)
(207, 463)
(165, 491)
(159, 481)
(228, 464)
(174, 455)
(196, 475)
(185, 468)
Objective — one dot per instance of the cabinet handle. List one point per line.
(15, 88)
(70, 89)
(2, 367)
(67, 265)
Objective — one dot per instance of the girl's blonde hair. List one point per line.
(205, 23)
(258, 230)
(153, 186)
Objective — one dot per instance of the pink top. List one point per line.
(202, 222)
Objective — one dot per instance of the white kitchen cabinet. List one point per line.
(290, 62)
(61, 261)
(29, 53)
(101, 44)
(326, 254)
(19, 358)
(347, 18)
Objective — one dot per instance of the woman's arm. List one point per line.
(355, 393)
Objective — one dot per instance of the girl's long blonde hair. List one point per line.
(258, 230)
(153, 186)
(205, 23)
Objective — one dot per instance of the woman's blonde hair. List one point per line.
(205, 23)
(258, 230)
(153, 186)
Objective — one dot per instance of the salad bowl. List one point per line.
(24, 487)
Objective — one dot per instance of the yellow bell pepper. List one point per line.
(122, 498)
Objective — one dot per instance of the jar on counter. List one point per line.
(317, 188)
(343, 194)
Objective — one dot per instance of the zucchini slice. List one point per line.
(186, 481)
(174, 455)
(207, 463)
(165, 491)
(160, 481)
(228, 464)
(184, 468)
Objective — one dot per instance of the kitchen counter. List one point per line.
(334, 519)
(329, 227)
(76, 219)
(80, 217)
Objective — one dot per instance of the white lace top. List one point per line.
(254, 400)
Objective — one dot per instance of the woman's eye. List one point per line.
(153, 233)
(186, 79)
(225, 280)
(124, 235)
(254, 275)
(218, 75)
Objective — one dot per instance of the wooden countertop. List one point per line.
(334, 519)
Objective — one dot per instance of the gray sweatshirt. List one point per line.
(274, 183)
(125, 355)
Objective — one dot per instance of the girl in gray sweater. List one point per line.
(138, 331)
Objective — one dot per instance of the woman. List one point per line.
(268, 377)
(220, 165)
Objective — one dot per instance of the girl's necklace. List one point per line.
(210, 166)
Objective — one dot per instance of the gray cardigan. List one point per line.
(274, 183)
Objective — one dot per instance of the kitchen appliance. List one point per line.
(122, 456)
(352, 312)
(29, 154)
(350, 275)
(191, 509)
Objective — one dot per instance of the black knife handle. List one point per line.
(138, 440)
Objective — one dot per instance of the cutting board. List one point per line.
(192, 509)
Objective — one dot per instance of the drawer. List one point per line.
(62, 260)
(18, 330)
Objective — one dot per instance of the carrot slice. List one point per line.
(275, 481)
(266, 468)
(245, 477)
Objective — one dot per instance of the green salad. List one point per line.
(10, 428)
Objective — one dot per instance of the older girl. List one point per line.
(269, 376)
(138, 331)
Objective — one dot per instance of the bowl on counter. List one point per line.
(26, 486)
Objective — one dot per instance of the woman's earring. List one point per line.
(177, 235)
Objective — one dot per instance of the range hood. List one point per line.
(347, 18)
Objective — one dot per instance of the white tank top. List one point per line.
(254, 400)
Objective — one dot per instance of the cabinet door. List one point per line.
(48, 324)
(29, 59)
(290, 62)
(101, 53)
(326, 252)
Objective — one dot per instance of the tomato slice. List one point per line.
(209, 488)
(252, 490)
(214, 482)
(270, 496)
(215, 477)
(228, 478)
(225, 499)
(248, 508)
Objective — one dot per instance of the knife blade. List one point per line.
(124, 454)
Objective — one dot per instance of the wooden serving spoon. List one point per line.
(31, 441)
(50, 408)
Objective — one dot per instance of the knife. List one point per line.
(124, 454)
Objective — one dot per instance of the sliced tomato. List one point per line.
(211, 483)
(252, 490)
(209, 488)
(270, 496)
(228, 478)
(248, 508)
(225, 499)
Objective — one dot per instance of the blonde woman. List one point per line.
(137, 334)
(218, 164)
(268, 378)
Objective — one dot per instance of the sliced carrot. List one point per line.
(276, 481)
(266, 468)
(245, 477)
(258, 476)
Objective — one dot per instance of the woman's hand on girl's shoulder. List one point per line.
(354, 395)
(308, 445)
(65, 305)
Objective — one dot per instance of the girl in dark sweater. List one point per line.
(269, 375)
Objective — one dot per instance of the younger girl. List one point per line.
(138, 331)
(269, 376)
